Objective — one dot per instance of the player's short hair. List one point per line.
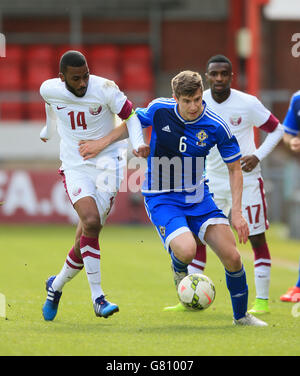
(186, 83)
(72, 59)
(219, 59)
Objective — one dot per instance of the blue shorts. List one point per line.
(172, 220)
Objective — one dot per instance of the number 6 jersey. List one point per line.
(178, 147)
(85, 118)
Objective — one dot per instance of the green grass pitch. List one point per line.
(136, 275)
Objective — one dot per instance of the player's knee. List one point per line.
(186, 251)
(91, 224)
(234, 262)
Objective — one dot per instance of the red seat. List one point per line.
(36, 74)
(137, 77)
(11, 77)
(11, 111)
(107, 53)
(105, 71)
(44, 54)
(136, 68)
(14, 54)
(104, 61)
(35, 111)
(137, 53)
(11, 68)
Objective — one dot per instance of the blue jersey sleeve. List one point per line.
(145, 116)
(228, 145)
(292, 119)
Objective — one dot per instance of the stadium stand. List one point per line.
(25, 68)
(12, 111)
(105, 61)
(11, 69)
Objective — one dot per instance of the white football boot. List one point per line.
(249, 320)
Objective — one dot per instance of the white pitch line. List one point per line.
(279, 263)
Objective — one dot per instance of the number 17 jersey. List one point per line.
(84, 118)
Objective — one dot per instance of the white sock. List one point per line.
(262, 275)
(90, 252)
(70, 269)
(262, 271)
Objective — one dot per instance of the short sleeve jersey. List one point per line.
(292, 119)
(242, 112)
(83, 118)
(185, 143)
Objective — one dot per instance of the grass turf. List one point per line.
(136, 275)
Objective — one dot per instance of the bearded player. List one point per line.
(83, 106)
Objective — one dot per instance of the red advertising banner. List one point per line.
(31, 196)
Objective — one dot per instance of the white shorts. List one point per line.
(254, 204)
(101, 183)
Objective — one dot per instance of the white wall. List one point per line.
(21, 141)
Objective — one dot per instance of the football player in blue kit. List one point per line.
(177, 198)
(291, 139)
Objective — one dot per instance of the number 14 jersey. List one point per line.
(84, 118)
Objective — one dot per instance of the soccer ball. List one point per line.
(196, 291)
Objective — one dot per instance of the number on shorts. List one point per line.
(256, 210)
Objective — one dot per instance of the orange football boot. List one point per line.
(292, 295)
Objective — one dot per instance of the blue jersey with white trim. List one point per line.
(176, 163)
(292, 119)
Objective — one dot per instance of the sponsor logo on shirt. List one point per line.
(166, 129)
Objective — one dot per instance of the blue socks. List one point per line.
(178, 265)
(238, 288)
(236, 284)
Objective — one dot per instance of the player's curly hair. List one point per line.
(186, 83)
(72, 59)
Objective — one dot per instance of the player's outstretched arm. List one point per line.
(140, 149)
(236, 184)
(90, 148)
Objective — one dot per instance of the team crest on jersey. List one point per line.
(235, 119)
(95, 110)
(162, 230)
(202, 136)
(76, 191)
